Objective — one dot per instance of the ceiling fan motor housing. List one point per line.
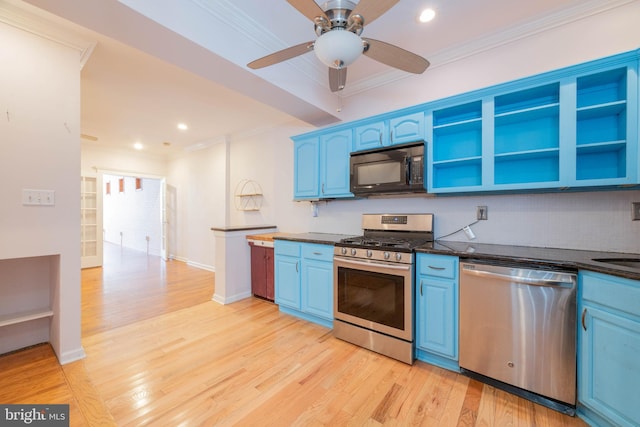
(338, 12)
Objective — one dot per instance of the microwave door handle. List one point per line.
(407, 170)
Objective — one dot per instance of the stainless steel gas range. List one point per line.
(374, 283)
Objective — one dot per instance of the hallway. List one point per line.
(132, 286)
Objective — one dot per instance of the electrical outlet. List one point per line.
(635, 211)
(482, 213)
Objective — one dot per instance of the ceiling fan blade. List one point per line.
(281, 55)
(371, 10)
(395, 56)
(308, 8)
(337, 78)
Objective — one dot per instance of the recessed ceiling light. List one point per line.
(427, 15)
(182, 126)
(138, 146)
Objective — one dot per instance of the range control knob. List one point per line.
(353, 251)
(387, 255)
(398, 256)
(369, 254)
(343, 251)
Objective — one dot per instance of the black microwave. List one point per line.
(396, 169)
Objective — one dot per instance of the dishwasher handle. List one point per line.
(474, 270)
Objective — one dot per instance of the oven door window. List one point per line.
(372, 296)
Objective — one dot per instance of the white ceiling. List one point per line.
(143, 78)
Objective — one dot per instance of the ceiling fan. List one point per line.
(338, 25)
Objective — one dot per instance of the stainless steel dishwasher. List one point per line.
(518, 326)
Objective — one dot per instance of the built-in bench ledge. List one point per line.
(233, 261)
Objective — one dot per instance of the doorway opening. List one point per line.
(132, 213)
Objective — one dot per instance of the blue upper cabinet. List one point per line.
(321, 166)
(385, 132)
(571, 128)
(334, 164)
(606, 127)
(370, 136)
(306, 154)
(526, 138)
(455, 152)
(407, 128)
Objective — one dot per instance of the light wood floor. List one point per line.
(159, 352)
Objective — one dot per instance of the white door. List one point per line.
(91, 221)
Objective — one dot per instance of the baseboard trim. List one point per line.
(71, 356)
(228, 300)
(202, 266)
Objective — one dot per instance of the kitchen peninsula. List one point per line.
(233, 261)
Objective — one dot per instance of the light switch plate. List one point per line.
(38, 197)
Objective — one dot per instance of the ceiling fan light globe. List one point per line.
(338, 48)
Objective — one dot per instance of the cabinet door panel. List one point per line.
(259, 271)
(436, 327)
(306, 172)
(334, 160)
(287, 281)
(609, 366)
(368, 137)
(270, 274)
(408, 128)
(317, 284)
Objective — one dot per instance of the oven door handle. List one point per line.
(403, 267)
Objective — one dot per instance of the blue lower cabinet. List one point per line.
(608, 350)
(317, 288)
(287, 274)
(437, 310)
(304, 283)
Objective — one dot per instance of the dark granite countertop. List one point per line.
(560, 258)
(322, 238)
(229, 228)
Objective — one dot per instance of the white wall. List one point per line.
(40, 149)
(198, 185)
(132, 218)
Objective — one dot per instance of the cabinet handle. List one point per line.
(323, 188)
(435, 268)
(296, 266)
(391, 136)
(380, 137)
(420, 287)
(584, 313)
(317, 253)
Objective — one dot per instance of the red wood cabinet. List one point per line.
(262, 271)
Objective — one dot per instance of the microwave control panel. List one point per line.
(416, 170)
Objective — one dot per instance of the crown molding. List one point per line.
(35, 21)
